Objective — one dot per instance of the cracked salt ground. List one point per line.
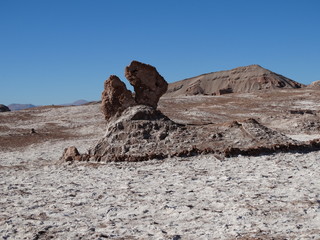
(274, 196)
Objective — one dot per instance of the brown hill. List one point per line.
(242, 79)
(314, 85)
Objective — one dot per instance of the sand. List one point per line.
(271, 197)
(266, 197)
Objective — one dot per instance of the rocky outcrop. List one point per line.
(115, 97)
(137, 131)
(4, 108)
(142, 133)
(239, 80)
(131, 121)
(314, 85)
(148, 84)
(71, 154)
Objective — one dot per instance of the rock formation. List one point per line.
(115, 97)
(71, 154)
(4, 108)
(148, 84)
(239, 80)
(143, 133)
(125, 114)
(137, 131)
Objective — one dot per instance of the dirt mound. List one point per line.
(239, 80)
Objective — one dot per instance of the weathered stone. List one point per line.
(71, 154)
(4, 108)
(134, 134)
(148, 84)
(115, 97)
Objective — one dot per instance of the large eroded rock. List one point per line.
(115, 97)
(148, 84)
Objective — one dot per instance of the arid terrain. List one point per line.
(273, 196)
(291, 112)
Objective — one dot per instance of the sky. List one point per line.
(59, 51)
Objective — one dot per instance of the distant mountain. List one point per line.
(76, 103)
(79, 102)
(242, 79)
(16, 106)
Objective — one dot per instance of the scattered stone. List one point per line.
(4, 108)
(148, 84)
(71, 154)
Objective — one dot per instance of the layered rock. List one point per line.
(148, 84)
(239, 80)
(4, 108)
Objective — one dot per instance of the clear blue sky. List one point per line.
(58, 51)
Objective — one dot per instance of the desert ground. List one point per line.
(275, 196)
